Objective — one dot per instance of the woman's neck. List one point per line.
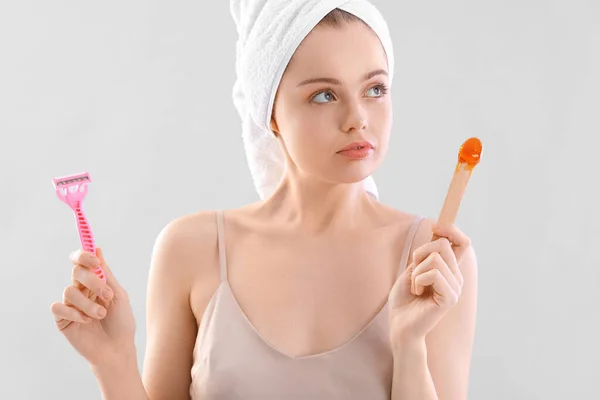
(317, 207)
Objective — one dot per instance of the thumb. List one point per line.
(110, 278)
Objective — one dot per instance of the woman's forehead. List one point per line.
(350, 50)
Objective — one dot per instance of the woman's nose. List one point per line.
(355, 120)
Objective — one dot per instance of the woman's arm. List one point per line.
(412, 379)
(121, 380)
(450, 343)
(184, 249)
(438, 366)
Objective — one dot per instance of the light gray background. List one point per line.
(138, 93)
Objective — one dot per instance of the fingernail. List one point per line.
(107, 294)
(101, 312)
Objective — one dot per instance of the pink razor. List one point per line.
(72, 190)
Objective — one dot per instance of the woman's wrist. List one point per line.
(115, 364)
(115, 359)
(402, 341)
(412, 378)
(409, 347)
(119, 376)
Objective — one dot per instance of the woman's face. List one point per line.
(333, 94)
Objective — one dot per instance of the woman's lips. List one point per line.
(357, 150)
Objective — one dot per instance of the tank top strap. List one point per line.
(410, 237)
(221, 245)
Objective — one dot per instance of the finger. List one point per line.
(62, 312)
(442, 292)
(440, 245)
(73, 296)
(88, 260)
(433, 262)
(111, 281)
(444, 248)
(90, 280)
(84, 258)
(459, 240)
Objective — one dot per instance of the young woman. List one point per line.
(318, 291)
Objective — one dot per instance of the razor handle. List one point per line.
(87, 239)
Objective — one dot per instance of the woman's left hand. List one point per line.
(429, 287)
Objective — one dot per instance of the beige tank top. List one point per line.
(232, 361)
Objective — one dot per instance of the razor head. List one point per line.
(71, 180)
(72, 189)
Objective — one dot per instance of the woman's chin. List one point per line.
(353, 177)
(356, 173)
(346, 174)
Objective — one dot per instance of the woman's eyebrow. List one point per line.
(334, 81)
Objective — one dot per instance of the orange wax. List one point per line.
(469, 153)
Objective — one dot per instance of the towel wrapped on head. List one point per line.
(269, 33)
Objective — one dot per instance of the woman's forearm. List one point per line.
(412, 379)
(121, 380)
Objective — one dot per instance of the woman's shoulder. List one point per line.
(190, 227)
(186, 232)
(200, 227)
(403, 219)
(198, 230)
(197, 233)
(187, 245)
(394, 214)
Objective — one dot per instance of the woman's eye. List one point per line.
(326, 95)
(380, 90)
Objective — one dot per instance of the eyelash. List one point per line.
(384, 90)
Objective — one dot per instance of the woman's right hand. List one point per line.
(95, 317)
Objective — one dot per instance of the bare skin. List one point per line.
(310, 266)
(308, 293)
(305, 294)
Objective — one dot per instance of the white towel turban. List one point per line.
(269, 32)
